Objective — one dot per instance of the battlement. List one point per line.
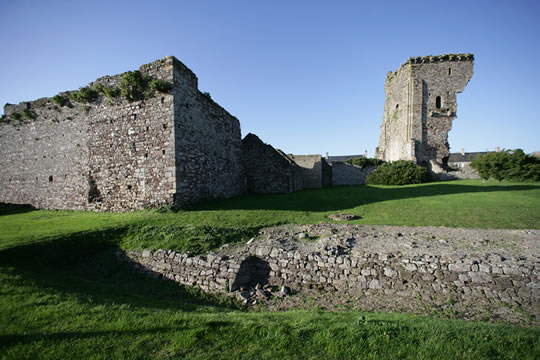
(430, 59)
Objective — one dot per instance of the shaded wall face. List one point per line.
(267, 170)
(442, 82)
(207, 143)
(312, 170)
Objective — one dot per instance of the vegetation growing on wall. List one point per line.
(365, 162)
(160, 85)
(512, 165)
(111, 92)
(399, 172)
(29, 114)
(132, 86)
(135, 86)
(59, 100)
(84, 95)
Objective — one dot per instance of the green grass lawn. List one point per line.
(63, 295)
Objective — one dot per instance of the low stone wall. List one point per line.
(464, 172)
(348, 174)
(360, 261)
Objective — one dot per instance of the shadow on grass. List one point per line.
(12, 209)
(84, 265)
(345, 197)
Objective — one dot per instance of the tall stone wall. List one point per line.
(269, 170)
(131, 147)
(207, 144)
(174, 147)
(419, 109)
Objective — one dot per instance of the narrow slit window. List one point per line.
(51, 179)
(449, 71)
(438, 102)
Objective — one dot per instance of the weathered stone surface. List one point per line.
(176, 148)
(276, 257)
(316, 172)
(269, 170)
(420, 107)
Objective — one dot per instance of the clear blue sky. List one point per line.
(306, 76)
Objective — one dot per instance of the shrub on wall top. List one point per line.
(59, 100)
(399, 172)
(84, 95)
(132, 86)
(364, 161)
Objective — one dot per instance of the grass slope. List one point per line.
(62, 294)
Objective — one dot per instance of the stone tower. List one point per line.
(419, 108)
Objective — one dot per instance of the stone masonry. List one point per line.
(419, 109)
(269, 170)
(176, 147)
(316, 172)
(484, 268)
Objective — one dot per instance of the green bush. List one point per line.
(133, 86)
(512, 165)
(399, 172)
(364, 162)
(84, 95)
(15, 116)
(160, 85)
(207, 94)
(29, 114)
(111, 92)
(59, 100)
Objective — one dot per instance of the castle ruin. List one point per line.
(419, 109)
(160, 141)
(171, 147)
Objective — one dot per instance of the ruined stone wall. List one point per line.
(348, 174)
(106, 156)
(131, 147)
(419, 109)
(316, 172)
(400, 263)
(207, 143)
(174, 147)
(269, 170)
